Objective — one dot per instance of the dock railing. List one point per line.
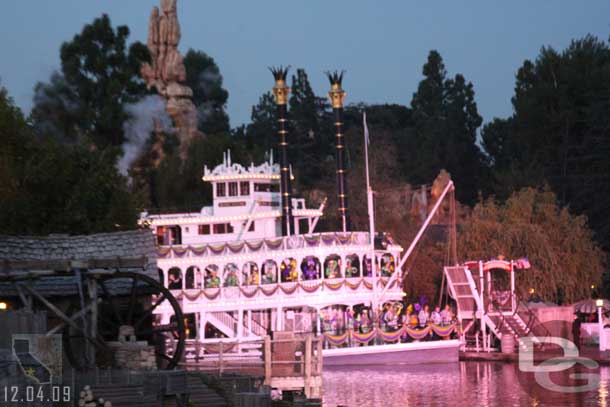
(287, 362)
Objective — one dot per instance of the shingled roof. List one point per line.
(127, 251)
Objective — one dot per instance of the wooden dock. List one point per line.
(288, 362)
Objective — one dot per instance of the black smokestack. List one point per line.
(336, 95)
(280, 92)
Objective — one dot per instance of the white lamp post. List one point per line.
(602, 337)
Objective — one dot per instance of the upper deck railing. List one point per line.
(360, 240)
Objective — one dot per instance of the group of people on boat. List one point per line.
(389, 318)
(288, 270)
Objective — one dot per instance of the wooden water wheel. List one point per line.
(123, 312)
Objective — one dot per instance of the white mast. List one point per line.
(371, 208)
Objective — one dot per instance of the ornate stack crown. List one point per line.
(280, 90)
(336, 93)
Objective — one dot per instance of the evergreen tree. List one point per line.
(446, 120)
(311, 142)
(49, 187)
(262, 128)
(99, 75)
(558, 133)
(204, 78)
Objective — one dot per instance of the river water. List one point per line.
(462, 384)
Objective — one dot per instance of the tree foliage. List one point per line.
(559, 131)
(49, 187)
(446, 120)
(99, 75)
(204, 78)
(565, 259)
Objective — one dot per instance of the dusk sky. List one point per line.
(381, 45)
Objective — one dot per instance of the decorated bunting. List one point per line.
(368, 284)
(328, 239)
(364, 338)
(310, 288)
(211, 293)
(414, 333)
(352, 285)
(391, 336)
(312, 240)
(217, 249)
(336, 340)
(289, 290)
(192, 297)
(249, 292)
(273, 244)
(163, 252)
(180, 251)
(255, 246)
(443, 331)
(333, 286)
(418, 334)
(198, 251)
(236, 248)
(269, 292)
(344, 239)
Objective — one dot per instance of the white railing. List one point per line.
(267, 245)
(296, 290)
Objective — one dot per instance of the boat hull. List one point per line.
(402, 353)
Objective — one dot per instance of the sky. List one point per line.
(382, 45)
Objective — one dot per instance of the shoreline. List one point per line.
(590, 352)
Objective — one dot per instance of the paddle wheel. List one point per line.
(103, 307)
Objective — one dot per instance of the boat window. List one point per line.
(250, 274)
(262, 187)
(244, 188)
(352, 266)
(288, 270)
(233, 189)
(258, 187)
(222, 228)
(174, 279)
(204, 229)
(221, 189)
(192, 278)
(310, 268)
(332, 266)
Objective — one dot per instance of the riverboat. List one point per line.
(253, 264)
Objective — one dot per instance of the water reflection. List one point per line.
(462, 384)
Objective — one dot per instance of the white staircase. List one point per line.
(463, 290)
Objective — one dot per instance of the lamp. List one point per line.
(602, 337)
(3, 306)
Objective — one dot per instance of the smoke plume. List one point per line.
(146, 116)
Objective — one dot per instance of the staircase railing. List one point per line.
(256, 326)
(532, 322)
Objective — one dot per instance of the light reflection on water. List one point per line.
(456, 384)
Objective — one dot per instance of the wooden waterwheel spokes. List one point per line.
(126, 312)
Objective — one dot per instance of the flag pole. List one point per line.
(371, 209)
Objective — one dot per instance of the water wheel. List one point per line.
(124, 312)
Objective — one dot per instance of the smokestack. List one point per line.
(280, 92)
(336, 95)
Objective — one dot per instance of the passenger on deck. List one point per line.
(174, 281)
(446, 316)
(436, 316)
(424, 316)
(213, 281)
